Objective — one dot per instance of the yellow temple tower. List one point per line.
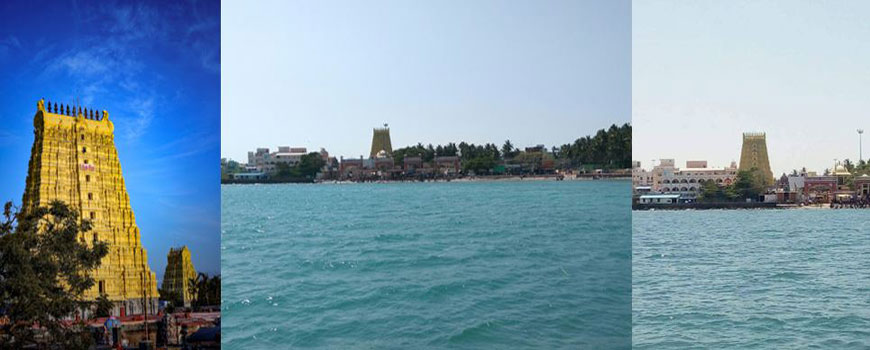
(74, 160)
(754, 155)
(381, 142)
(179, 271)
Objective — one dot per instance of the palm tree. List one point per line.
(206, 290)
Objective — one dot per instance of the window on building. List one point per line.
(90, 196)
(86, 161)
(102, 287)
(93, 215)
(87, 178)
(95, 238)
(84, 150)
(83, 137)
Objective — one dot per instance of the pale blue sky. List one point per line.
(324, 73)
(705, 71)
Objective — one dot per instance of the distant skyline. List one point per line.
(324, 74)
(155, 67)
(704, 72)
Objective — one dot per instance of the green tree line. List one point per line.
(307, 168)
(609, 148)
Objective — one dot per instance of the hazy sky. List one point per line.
(706, 71)
(155, 67)
(324, 73)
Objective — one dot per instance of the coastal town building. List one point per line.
(659, 199)
(862, 185)
(267, 162)
(352, 168)
(843, 191)
(382, 163)
(448, 165)
(820, 189)
(412, 164)
(74, 160)
(753, 155)
(179, 272)
(789, 188)
(667, 178)
(640, 177)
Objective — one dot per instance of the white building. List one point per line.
(660, 199)
(640, 177)
(266, 161)
(667, 178)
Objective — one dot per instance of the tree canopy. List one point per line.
(307, 167)
(206, 290)
(610, 149)
(45, 263)
(749, 184)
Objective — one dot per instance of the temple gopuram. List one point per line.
(179, 272)
(753, 155)
(382, 146)
(74, 160)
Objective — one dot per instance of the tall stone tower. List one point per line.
(179, 271)
(74, 160)
(754, 155)
(381, 142)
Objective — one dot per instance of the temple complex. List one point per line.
(74, 160)
(754, 155)
(179, 272)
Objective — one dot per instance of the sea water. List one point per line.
(751, 279)
(519, 265)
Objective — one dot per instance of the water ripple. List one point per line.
(518, 265)
(759, 279)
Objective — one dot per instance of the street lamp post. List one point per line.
(860, 148)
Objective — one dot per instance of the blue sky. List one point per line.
(324, 73)
(706, 71)
(155, 66)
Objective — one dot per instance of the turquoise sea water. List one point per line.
(520, 265)
(751, 279)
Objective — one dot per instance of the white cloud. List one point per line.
(143, 109)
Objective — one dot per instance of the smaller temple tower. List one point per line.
(179, 272)
(754, 155)
(381, 142)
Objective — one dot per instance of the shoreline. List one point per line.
(511, 178)
(736, 206)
